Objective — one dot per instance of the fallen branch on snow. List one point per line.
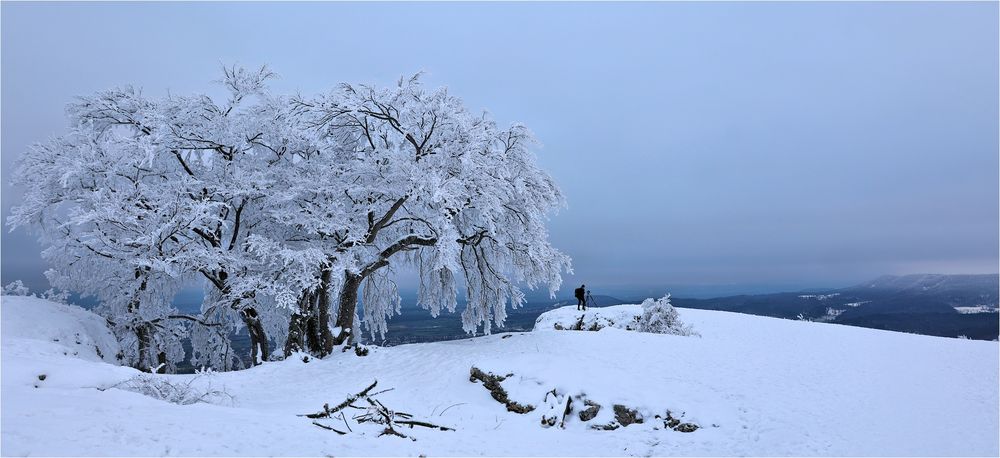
(327, 411)
(376, 413)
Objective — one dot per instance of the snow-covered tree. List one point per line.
(278, 205)
(16, 288)
(660, 316)
(435, 186)
(143, 195)
(91, 199)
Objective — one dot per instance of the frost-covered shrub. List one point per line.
(56, 295)
(659, 316)
(179, 392)
(15, 288)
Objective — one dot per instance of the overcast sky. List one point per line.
(724, 146)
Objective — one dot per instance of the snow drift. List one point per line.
(36, 327)
(752, 385)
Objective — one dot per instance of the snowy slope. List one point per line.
(34, 327)
(755, 385)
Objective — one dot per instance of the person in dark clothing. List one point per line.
(581, 298)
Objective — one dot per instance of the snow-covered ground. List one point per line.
(754, 385)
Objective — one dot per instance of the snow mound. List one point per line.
(624, 316)
(50, 350)
(34, 325)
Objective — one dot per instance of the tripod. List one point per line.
(589, 300)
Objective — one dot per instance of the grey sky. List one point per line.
(712, 145)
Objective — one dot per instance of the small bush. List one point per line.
(176, 392)
(57, 296)
(16, 288)
(659, 316)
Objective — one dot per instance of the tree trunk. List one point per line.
(251, 319)
(144, 334)
(161, 363)
(348, 303)
(309, 327)
(326, 336)
(258, 338)
(313, 325)
(297, 329)
(144, 339)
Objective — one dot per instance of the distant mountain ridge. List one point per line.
(924, 282)
(933, 304)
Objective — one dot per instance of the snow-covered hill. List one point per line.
(753, 386)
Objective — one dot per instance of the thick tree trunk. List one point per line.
(296, 331)
(348, 304)
(309, 327)
(258, 338)
(325, 335)
(144, 332)
(313, 325)
(145, 336)
(251, 319)
(144, 340)
(348, 300)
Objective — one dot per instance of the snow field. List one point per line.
(755, 386)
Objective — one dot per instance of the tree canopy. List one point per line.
(290, 210)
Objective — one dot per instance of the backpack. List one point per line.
(579, 293)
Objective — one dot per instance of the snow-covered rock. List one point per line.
(593, 319)
(626, 316)
(754, 386)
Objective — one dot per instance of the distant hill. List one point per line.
(938, 283)
(932, 304)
